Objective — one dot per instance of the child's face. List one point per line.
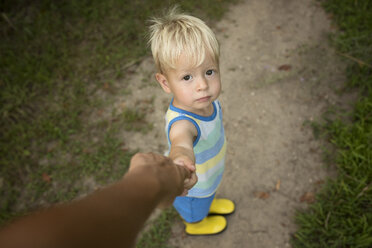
(194, 88)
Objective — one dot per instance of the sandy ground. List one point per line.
(278, 73)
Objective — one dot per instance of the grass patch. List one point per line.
(342, 214)
(135, 120)
(159, 232)
(57, 61)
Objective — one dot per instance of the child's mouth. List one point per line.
(203, 99)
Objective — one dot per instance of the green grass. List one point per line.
(342, 214)
(59, 61)
(159, 232)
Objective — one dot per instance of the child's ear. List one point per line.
(163, 81)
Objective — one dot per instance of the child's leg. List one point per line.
(194, 211)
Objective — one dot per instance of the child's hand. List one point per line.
(193, 179)
(189, 183)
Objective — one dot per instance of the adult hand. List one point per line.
(173, 179)
(190, 181)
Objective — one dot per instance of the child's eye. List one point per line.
(209, 72)
(187, 77)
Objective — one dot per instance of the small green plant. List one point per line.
(159, 232)
(134, 120)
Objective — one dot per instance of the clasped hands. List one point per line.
(175, 177)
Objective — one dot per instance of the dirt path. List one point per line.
(273, 158)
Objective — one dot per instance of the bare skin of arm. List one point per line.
(111, 217)
(182, 135)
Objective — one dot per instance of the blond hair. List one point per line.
(176, 34)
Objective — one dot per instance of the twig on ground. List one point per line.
(363, 190)
(125, 67)
(258, 231)
(350, 177)
(360, 62)
(326, 221)
(8, 21)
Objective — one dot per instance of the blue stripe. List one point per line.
(199, 117)
(204, 156)
(197, 192)
(184, 118)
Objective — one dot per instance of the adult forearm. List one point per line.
(111, 217)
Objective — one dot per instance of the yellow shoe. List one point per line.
(222, 206)
(209, 225)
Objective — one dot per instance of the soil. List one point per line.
(278, 74)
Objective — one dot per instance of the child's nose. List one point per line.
(202, 84)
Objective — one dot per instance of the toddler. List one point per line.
(186, 53)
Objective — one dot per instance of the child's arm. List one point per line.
(182, 135)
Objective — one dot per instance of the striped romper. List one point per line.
(209, 150)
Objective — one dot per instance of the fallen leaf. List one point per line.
(46, 178)
(86, 151)
(284, 67)
(66, 105)
(262, 195)
(100, 112)
(319, 182)
(123, 105)
(312, 150)
(106, 86)
(308, 197)
(278, 27)
(277, 186)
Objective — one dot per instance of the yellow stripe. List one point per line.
(201, 169)
(173, 114)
